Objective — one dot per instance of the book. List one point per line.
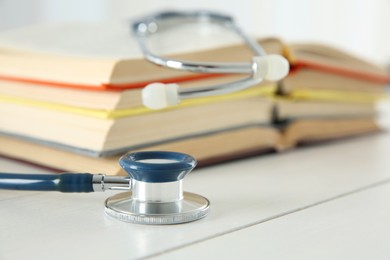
(106, 57)
(325, 58)
(101, 133)
(293, 109)
(309, 79)
(327, 69)
(208, 149)
(305, 131)
(103, 56)
(99, 100)
(311, 121)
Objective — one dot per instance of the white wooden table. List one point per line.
(325, 202)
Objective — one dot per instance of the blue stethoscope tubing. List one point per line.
(138, 166)
(65, 182)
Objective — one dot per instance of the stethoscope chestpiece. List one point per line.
(156, 195)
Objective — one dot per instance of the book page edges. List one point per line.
(261, 91)
(306, 131)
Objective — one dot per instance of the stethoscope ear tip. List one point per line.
(160, 95)
(272, 67)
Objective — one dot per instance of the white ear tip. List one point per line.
(160, 95)
(272, 67)
(277, 67)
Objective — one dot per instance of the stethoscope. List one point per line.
(154, 188)
(154, 185)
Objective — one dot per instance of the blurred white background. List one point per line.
(359, 26)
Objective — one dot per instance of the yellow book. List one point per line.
(99, 132)
(259, 91)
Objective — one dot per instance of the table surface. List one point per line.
(330, 201)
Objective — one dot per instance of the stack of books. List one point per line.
(328, 94)
(70, 99)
